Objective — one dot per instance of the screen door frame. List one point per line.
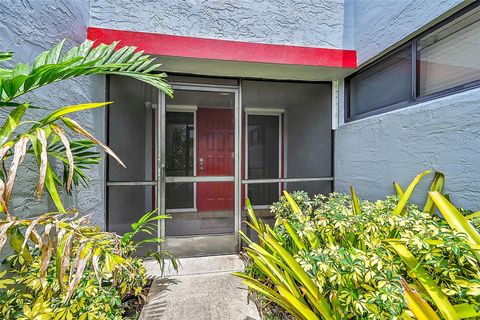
(236, 179)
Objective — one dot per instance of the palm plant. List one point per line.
(62, 236)
(46, 138)
(147, 225)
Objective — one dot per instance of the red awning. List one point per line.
(226, 50)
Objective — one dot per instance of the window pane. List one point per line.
(448, 56)
(180, 145)
(263, 194)
(263, 146)
(179, 195)
(387, 83)
(263, 157)
(306, 121)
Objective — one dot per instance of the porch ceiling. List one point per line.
(251, 69)
(215, 57)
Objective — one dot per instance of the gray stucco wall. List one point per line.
(441, 134)
(379, 24)
(27, 28)
(294, 22)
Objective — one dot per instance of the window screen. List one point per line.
(387, 83)
(448, 57)
(131, 130)
(263, 157)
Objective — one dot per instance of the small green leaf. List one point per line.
(12, 122)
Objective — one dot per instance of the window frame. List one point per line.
(414, 98)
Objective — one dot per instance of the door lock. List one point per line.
(201, 163)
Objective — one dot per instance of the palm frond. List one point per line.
(87, 58)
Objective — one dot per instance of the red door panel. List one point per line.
(215, 157)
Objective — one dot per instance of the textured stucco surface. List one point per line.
(441, 134)
(379, 24)
(295, 22)
(28, 27)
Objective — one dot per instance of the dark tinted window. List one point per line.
(387, 83)
(443, 58)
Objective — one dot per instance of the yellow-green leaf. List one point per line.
(356, 203)
(293, 204)
(473, 215)
(303, 309)
(16, 242)
(12, 122)
(408, 193)
(454, 218)
(437, 185)
(298, 242)
(398, 189)
(57, 114)
(440, 299)
(62, 257)
(466, 310)
(301, 275)
(420, 308)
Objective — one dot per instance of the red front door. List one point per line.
(215, 157)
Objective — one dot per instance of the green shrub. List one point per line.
(344, 247)
(73, 271)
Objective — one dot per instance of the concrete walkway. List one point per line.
(203, 289)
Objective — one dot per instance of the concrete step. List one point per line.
(199, 265)
(203, 289)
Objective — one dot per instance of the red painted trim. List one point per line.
(215, 49)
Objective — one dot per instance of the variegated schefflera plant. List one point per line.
(337, 257)
(57, 251)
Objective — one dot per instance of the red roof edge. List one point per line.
(227, 50)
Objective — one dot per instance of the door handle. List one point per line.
(162, 171)
(201, 163)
